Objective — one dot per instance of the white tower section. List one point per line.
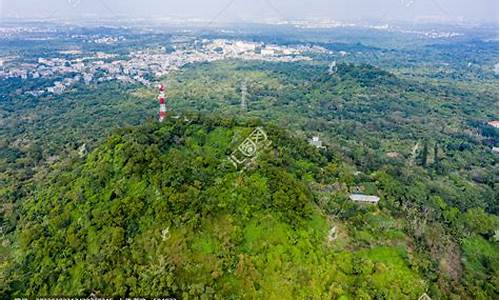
(163, 108)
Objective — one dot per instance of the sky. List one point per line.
(477, 11)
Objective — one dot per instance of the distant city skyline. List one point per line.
(478, 11)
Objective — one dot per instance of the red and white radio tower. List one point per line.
(163, 108)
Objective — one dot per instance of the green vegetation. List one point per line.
(158, 209)
(161, 210)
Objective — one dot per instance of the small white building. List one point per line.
(267, 52)
(364, 198)
(495, 124)
(245, 46)
(315, 141)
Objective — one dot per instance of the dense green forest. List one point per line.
(97, 197)
(160, 209)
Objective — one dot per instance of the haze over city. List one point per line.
(481, 11)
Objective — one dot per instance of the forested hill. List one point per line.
(160, 210)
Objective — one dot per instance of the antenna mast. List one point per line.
(244, 94)
(163, 108)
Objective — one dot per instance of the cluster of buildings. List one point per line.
(7, 31)
(254, 50)
(98, 39)
(334, 24)
(142, 66)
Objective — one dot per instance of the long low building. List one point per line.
(364, 198)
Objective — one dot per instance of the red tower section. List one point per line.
(163, 108)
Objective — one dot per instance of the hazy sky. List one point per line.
(258, 10)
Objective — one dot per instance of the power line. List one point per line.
(223, 10)
(109, 9)
(74, 3)
(277, 11)
(443, 11)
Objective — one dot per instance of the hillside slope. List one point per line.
(160, 210)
